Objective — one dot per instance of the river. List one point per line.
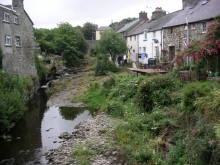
(37, 132)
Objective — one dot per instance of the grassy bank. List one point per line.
(166, 122)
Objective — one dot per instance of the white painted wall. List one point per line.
(132, 43)
(150, 45)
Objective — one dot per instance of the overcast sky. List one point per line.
(48, 13)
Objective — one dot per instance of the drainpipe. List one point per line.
(187, 37)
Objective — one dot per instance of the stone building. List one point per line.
(17, 40)
(190, 24)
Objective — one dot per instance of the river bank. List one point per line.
(91, 142)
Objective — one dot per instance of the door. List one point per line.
(171, 52)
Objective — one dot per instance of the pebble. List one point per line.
(87, 135)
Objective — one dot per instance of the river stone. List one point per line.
(88, 136)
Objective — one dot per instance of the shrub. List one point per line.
(12, 96)
(156, 121)
(40, 67)
(150, 89)
(195, 90)
(109, 83)
(104, 65)
(178, 155)
(115, 108)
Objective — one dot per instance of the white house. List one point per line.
(150, 41)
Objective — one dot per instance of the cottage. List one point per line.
(17, 40)
(189, 24)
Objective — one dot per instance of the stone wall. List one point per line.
(177, 36)
(21, 60)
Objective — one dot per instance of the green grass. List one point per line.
(141, 139)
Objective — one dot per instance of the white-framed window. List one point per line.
(144, 49)
(193, 26)
(130, 38)
(16, 19)
(154, 34)
(134, 38)
(5, 16)
(203, 27)
(17, 41)
(7, 40)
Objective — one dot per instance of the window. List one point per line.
(193, 26)
(17, 41)
(144, 49)
(5, 16)
(130, 38)
(203, 27)
(134, 38)
(7, 40)
(154, 34)
(16, 19)
(157, 51)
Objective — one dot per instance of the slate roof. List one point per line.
(160, 22)
(139, 28)
(14, 9)
(103, 28)
(200, 12)
(128, 26)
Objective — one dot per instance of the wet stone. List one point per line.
(89, 138)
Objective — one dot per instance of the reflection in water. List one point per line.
(70, 113)
(26, 138)
(38, 131)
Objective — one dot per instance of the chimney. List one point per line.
(128, 20)
(18, 4)
(159, 12)
(143, 16)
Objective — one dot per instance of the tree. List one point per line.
(45, 38)
(88, 30)
(70, 43)
(111, 43)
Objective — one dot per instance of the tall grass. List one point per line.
(12, 96)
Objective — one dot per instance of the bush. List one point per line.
(195, 90)
(40, 67)
(115, 108)
(12, 96)
(151, 88)
(104, 65)
(109, 83)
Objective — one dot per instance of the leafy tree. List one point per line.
(88, 30)
(111, 43)
(45, 38)
(70, 43)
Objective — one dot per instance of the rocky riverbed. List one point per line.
(91, 143)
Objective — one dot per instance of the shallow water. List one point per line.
(38, 132)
